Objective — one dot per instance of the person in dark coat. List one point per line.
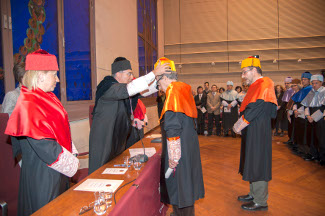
(258, 108)
(301, 135)
(40, 132)
(116, 99)
(314, 104)
(278, 123)
(201, 103)
(181, 150)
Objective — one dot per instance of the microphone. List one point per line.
(140, 157)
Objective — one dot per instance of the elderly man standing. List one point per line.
(230, 108)
(181, 150)
(314, 104)
(116, 99)
(258, 107)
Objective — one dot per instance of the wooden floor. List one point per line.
(297, 187)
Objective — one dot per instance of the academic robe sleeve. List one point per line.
(118, 91)
(55, 156)
(252, 111)
(173, 128)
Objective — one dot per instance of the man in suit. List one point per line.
(200, 102)
(213, 103)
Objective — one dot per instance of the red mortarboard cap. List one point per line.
(41, 60)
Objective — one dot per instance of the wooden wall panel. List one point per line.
(252, 20)
(301, 18)
(228, 31)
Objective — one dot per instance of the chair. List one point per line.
(10, 170)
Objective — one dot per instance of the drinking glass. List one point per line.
(108, 197)
(137, 165)
(126, 161)
(100, 205)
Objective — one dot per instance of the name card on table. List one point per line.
(149, 151)
(115, 171)
(94, 185)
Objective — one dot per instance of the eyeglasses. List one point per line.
(244, 72)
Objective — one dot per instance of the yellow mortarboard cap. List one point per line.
(164, 60)
(251, 61)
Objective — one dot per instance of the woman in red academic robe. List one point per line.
(40, 131)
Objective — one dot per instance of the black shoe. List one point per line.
(245, 198)
(322, 163)
(308, 157)
(251, 206)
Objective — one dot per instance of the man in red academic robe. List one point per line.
(258, 107)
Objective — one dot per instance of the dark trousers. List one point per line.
(200, 122)
(216, 118)
(187, 211)
(317, 139)
(291, 130)
(301, 126)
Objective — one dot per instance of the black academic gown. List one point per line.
(111, 126)
(229, 118)
(39, 184)
(256, 145)
(187, 185)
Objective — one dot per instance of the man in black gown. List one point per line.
(181, 150)
(258, 107)
(116, 99)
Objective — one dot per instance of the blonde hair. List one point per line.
(30, 79)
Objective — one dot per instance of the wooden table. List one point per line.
(71, 201)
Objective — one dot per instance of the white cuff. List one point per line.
(149, 77)
(294, 108)
(136, 86)
(67, 164)
(174, 149)
(307, 113)
(234, 103)
(152, 89)
(74, 149)
(224, 103)
(240, 125)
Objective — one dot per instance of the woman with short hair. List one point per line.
(40, 131)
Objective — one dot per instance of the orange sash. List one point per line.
(179, 98)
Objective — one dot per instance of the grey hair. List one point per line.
(258, 69)
(172, 76)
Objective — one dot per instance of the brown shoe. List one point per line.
(251, 206)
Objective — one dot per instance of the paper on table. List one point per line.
(149, 151)
(154, 136)
(203, 110)
(115, 171)
(99, 185)
(317, 115)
